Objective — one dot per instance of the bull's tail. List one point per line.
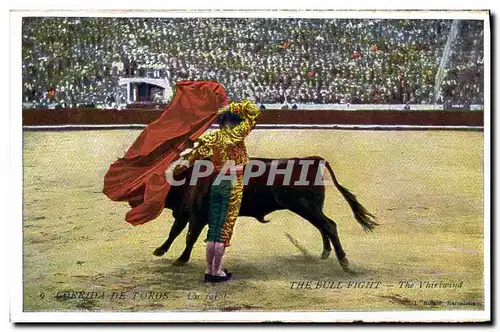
(364, 218)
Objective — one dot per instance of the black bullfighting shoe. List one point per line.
(227, 277)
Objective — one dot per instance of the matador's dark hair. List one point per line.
(233, 119)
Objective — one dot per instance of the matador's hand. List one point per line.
(223, 109)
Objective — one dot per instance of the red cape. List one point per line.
(139, 177)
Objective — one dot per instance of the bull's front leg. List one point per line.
(194, 231)
(177, 228)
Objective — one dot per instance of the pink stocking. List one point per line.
(219, 253)
(209, 255)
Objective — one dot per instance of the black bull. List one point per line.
(260, 199)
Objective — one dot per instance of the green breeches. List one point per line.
(225, 201)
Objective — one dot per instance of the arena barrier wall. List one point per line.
(105, 118)
(373, 107)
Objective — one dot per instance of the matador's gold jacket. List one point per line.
(226, 144)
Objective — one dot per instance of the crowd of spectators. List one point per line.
(78, 61)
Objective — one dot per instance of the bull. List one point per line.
(259, 200)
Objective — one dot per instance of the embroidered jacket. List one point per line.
(226, 143)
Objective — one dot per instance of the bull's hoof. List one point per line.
(344, 263)
(263, 221)
(325, 254)
(159, 252)
(179, 262)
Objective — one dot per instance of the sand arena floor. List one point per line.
(425, 187)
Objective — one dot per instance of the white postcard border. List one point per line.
(15, 174)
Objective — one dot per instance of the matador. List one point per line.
(226, 149)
